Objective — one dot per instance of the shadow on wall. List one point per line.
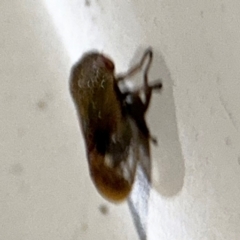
(168, 164)
(168, 161)
(168, 169)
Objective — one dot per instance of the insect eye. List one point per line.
(102, 61)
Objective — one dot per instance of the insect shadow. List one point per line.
(113, 122)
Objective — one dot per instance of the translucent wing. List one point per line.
(114, 172)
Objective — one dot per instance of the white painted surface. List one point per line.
(45, 189)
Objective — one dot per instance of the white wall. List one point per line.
(45, 188)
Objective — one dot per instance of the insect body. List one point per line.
(112, 122)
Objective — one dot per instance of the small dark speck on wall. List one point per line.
(228, 141)
(42, 105)
(87, 3)
(196, 137)
(84, 227)
(201, 13)
(16, 169)
(103, 209)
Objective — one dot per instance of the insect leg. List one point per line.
(137, 67)
(148, 92)
(146, 87)
(137, 108)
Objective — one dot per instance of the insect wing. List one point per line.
(114, 173)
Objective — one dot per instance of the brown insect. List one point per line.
(112, 122)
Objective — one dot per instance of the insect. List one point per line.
(112, 122)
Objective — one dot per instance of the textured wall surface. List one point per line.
(45, 188)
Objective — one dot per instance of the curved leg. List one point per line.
(138, 108)
(134, 70)
(146, 87)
